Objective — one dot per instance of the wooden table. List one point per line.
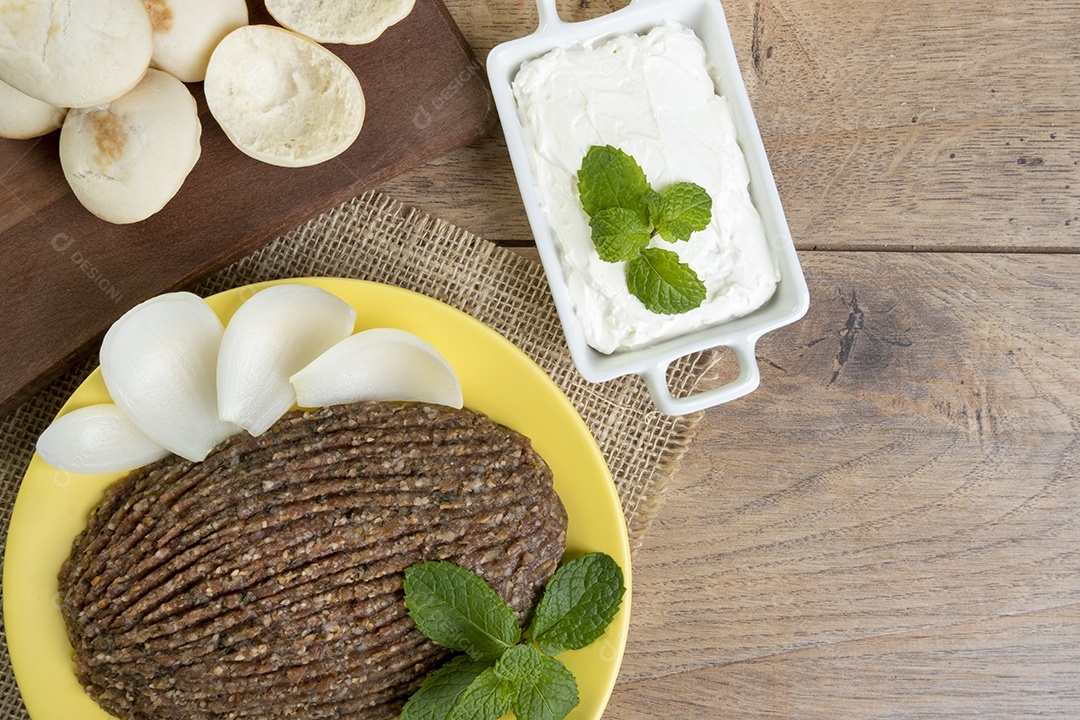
(890, 526)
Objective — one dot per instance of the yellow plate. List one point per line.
(497, 379)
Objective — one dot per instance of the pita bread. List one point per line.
(352, 22)
(22, 116)
(126, 159)
(187, 31)
(74, 53)
(283, 98)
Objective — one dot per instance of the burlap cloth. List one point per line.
(373, 238)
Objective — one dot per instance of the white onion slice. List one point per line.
(159, 362)
(97, 439)
(380, 364)
(273, 335)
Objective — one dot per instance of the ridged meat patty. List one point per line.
(266, 581)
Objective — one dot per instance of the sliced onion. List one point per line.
(159, 363)
(97, 439)
(380, 364)
(273, 335)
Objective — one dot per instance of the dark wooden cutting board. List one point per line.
(65, 276)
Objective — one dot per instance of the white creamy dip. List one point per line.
(653, 97)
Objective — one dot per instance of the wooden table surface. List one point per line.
(890, 526)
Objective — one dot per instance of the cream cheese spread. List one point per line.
(652, 96)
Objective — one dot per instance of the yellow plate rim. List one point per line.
(497, 379)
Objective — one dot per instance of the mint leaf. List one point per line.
(684, 209)
(520, 665)
(442, 690)
(619, 234)
(487, 698)
(654, 201)
(663, 283)
(579, 602)
(457, 609)
(610, 178)
(544, 689)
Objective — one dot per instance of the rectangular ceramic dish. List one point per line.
(791, 299)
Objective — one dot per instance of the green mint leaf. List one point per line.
(579, 602)
(457, 609)
(663, 283)
(443, 689)
(610, 178)
(684, 209)
(487, 698)
(544, 689)
(619, 234)
(655, 202)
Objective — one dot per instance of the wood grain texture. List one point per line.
(908, 125)
(997, 669)
(886, 528)
(67, 275)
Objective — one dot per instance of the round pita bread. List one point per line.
(22, 116)
(75, 53)
(126, 159)
(187, 31)
(283, 98)
(352, 22)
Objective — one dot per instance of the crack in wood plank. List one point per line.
(758, 51)
(853, 326)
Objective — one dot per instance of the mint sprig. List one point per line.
(625, 213)
(457, 609)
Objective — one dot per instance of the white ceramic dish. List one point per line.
(791, 299)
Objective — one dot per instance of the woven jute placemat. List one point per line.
(374, 238)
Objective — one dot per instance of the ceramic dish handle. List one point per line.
(549, 14)
(745, 383)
